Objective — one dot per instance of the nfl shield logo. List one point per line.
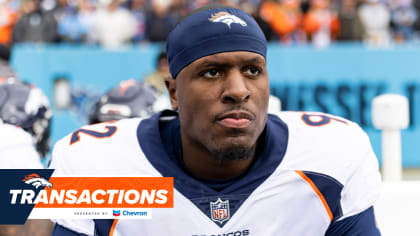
(219, 210)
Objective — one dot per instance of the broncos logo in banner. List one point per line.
(227, 18)
(36, 181)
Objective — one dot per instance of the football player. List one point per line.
(128, 99)
(237, 169)
(25, 118)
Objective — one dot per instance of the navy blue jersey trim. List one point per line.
(103, 226)
(330, 189)
(362, 224)
(274, 149)
(62, 231)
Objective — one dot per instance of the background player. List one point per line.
(25, 118)
(128, 99)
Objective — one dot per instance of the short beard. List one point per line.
(232, 154)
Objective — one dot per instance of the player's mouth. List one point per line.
(235, 119)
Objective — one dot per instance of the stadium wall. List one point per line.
(341, 79)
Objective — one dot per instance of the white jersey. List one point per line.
(315, 169)
(17, 149)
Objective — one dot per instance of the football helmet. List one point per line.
(27, 107)
(128, 99)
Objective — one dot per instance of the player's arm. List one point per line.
(360, 177)
(360, 192)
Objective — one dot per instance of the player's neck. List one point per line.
(203, 165)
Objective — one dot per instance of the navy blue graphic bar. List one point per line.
(16, 183)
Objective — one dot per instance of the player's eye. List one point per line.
(253, 70)
(212, 73)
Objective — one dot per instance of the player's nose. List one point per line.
(235, 89)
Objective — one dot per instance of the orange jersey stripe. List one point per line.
(321, 197)
(114, 224)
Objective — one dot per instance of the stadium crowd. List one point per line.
(113, 23)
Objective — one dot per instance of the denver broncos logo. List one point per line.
(227, 18)
(36, 181)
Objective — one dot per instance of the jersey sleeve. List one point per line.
(363, 185)
(338, 148)
(17, 149)
(20, 157)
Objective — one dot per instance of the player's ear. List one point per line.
(171, 86)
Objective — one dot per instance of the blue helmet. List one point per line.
(26, 106)
(128, 99)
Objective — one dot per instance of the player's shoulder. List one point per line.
(98, 146)
(17, 148)
(89, 135)
(11, 135)
(322, 125)
(336, 155)
(325, 144)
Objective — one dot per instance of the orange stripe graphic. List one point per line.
(321, 197)
(114, 224)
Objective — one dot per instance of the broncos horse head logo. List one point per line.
(37, 181)
(227, 18)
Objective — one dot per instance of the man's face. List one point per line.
(222, 101)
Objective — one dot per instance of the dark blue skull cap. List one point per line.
(213, 31)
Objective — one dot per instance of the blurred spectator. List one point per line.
(159, 21)
(351, 28)
(157, 79)
(261, 17)
(8, 18)
(375, 18)
(86, 13)
(138, 9)
(114, 26)
(232, 3)
(250, 7)
(4, 53)
(179, 8)
(71, 28)
(321, 23)
(287, 21)
(403, 17)
(61, 9)
(416, 5)
(304, 6)
(285, 18)
(197, 4)
(35, 25)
